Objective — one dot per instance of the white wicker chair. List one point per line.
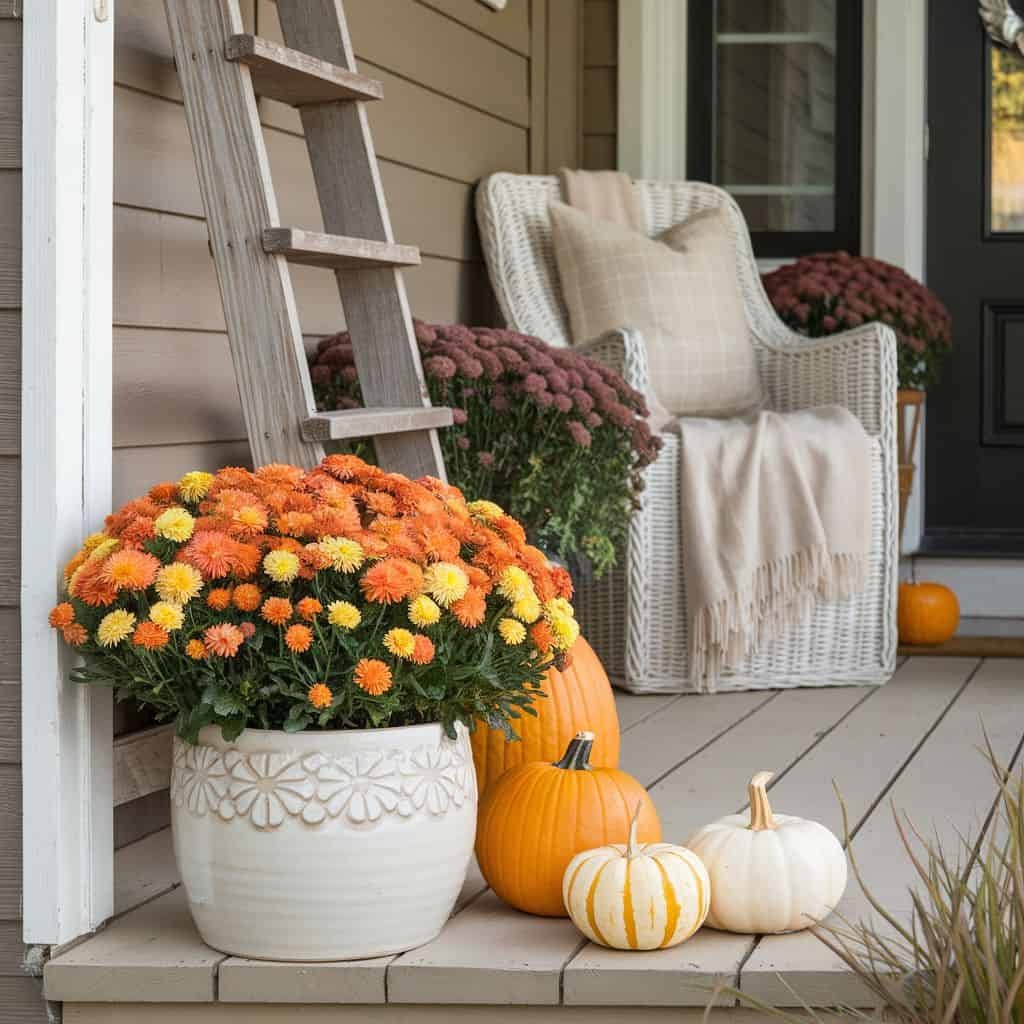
(636, 616)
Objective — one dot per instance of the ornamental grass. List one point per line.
(556, 438)
(959, 957)
(834, 291)
(344, 597)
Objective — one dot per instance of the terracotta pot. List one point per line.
(323, 845)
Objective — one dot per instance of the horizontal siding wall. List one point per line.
(600, 84)
(20, 996)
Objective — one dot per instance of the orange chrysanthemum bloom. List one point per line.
(75, 634)
(479, 579)
(91, 586)
(391, 581)
(309, 608)
(131, 569)
(298, 639)
(440, 545)
(213, 553)
(249, 520)
(344, 467)
(248, 628)
(138, 531)
(511, 529)
(61, 616)
(562, 582)
(314, 558)
(540, 634)
(196, 650)
(279, 474)
(296, 524)
(373, 676)
(223, 640)
(247, 559)
(380, 502)
(219, 598)
(320, 696)
(164, 492)
(423, 650)
(277, 610)
(246, 597)
(78, 560)
(150, 635)
(470, 609)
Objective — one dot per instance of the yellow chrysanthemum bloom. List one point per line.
(195, 485)
(115, 627)
(566, 631)
(343, 614)
(93, 541)
(281, 566)
(445, 583)
(71, 584)
(485, 510)
(105, 547)
(558, 606)
(527, 609)
(423, 611)
(175, 524)
(400, 642)
(514, 584)
(512, 632)
(167, 614)
(346, 555)
(178, 583)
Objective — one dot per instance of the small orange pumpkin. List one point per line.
(928, 613)
(578, 697)
(537, 817)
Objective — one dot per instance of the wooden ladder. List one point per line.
(222, 69)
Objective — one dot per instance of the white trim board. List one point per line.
(985, 587)
(67, 143)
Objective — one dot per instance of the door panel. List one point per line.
(974, 481)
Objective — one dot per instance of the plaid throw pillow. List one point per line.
(681, 291)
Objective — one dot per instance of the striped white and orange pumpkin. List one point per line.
(637, 896)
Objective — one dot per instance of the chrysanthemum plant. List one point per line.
(558, 439)
(834, 291)
(344, 597)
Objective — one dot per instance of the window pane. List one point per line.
(775, 15)
(775, 97)
(1007, 202)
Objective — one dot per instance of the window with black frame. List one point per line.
(775, 117)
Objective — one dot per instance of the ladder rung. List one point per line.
(348, 423)
(296, 78)
(315, 249)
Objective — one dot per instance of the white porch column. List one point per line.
(67, 146)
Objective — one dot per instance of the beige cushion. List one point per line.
(680, 291)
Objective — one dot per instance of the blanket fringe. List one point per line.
(778, 594)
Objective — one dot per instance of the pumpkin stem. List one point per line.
(577, 754)
(760, 810)
(633, 825)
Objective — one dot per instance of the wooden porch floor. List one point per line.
(913, 742)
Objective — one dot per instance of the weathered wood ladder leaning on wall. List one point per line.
(222, 69)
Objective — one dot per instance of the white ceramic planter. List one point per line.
(323, 845)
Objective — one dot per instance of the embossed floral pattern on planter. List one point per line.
(362, 788)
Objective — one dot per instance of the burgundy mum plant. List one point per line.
(557, 439)
(834, 291)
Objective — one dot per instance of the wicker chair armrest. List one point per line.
(623, 350)
(855, 369)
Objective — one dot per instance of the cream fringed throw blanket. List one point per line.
(776, 512)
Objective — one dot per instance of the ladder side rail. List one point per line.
(352, 203)
(239, 201)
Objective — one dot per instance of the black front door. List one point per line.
(974, 480)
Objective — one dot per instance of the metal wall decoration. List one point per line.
(1002, 22)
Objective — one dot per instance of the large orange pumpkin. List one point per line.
(537, 817)
(580, 697)
(928, 613)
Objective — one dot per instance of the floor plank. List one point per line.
(710, 784)
(945, 787)
(633, 708)
(488, 954)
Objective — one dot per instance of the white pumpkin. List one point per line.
(637, 896)
(772, 873)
